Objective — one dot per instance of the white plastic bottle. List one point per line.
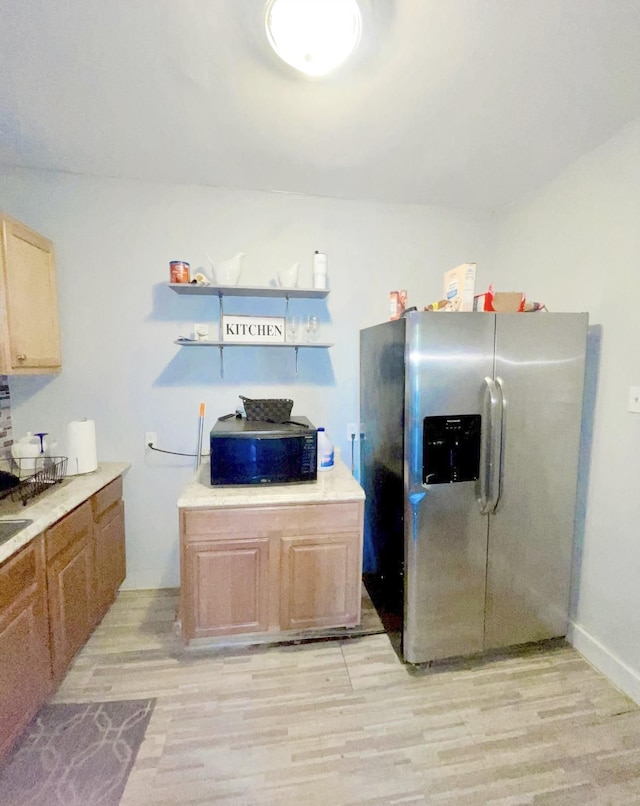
(325, 451)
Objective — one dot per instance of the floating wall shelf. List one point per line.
(249, 291)
(221, 291)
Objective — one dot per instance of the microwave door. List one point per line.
(263, 459)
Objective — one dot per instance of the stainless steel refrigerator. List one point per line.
(469, 459)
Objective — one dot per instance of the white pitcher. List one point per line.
(288, 278)
(227, 272)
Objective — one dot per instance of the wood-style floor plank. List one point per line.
(346, 723)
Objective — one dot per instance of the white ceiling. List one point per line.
(469, 103)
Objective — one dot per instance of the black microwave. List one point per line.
(252, 452)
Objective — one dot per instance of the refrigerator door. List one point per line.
(447, 357)
(540, 360)
(382, 382)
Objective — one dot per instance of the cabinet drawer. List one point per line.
(21, 572)
(266, 521)
(106, 497)
(72, 527)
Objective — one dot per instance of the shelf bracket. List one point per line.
(286, 306)
(221, 348)
(296, 348)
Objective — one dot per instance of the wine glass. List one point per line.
(312, 325)
(292, 327)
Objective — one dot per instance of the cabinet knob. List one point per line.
(22, 357)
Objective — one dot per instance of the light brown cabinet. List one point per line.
(110, 559)
(85, 554)
(53, 592)
(270, 569)
(320, 581)
(229, 586)
(29, 331)
(25, 659)
(70, 582)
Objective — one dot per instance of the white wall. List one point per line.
(114, 240)
(576, 247)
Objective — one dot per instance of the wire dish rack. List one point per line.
(35, 476)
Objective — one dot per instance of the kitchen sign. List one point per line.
(253, 329)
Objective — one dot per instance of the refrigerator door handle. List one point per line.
(490, 447)
(498, 474)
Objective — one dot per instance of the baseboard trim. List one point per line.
(605, 661)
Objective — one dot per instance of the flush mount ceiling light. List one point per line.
(314, 36)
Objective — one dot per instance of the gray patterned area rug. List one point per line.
(75, 754)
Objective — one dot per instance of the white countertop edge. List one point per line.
(334, 485)
(46, 509)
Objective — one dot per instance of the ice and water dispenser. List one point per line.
(450, 449)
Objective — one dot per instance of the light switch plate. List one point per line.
(634, 399)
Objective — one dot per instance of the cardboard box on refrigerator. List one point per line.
(460, 286)
(508, 301)
(500, 301)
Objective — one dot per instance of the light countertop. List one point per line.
(45, 509)
(332, 485)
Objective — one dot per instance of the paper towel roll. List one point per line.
(81, 447)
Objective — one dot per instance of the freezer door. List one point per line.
(447, 358)
(540, 361)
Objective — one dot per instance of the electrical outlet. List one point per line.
(353, 431)
(150, 438)
(634, 399)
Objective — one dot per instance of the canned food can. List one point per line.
(179, 271)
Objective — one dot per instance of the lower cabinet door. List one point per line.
(71, 603)
(110, 556)
(226, 587)
(319, 581)
(25, 660)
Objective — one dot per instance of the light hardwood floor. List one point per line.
(345, 722)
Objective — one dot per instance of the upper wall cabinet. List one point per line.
(29, 334)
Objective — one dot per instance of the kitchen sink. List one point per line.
(9, 528)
